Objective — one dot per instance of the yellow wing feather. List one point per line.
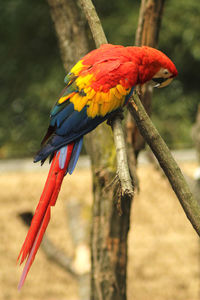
(97, 98)
(104, 108)
(93, 109)
(98, 103)
(79, 101)
(117, 94)
(63, 99)
(84, 81)
(121, 90)
(78, 67)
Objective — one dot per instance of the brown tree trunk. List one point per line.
(110, 224)
(147, 34)
(111, 207)
(73, 34)
(111, 211)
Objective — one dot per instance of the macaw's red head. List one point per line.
(156, 66)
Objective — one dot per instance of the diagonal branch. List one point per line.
(100, 38)
(122, 161)
(166, 161)
(94, 22)
(147, 33)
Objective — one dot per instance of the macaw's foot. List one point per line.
(118, 114)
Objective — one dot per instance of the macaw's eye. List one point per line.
(159, 80)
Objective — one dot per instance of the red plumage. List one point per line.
(137, 64)
(42, 214)
(98, 86)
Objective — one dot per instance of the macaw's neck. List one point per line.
(147, 61)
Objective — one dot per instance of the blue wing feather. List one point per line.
(72, 128)
(70, 125)
(58, 115)
(75, 155)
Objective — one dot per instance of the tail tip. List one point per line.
(36, 159)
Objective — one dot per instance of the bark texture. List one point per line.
(149, 22)
(72, 31)
(112, 197)
(110, 225)
(75, 40)
(111, 207)
(147, 33)
(110, 219)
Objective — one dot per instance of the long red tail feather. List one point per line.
(42, 213)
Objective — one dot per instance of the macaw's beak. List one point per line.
(161, 82)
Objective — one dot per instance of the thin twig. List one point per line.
(166, 161)
(122, 162)
(58, 256)
(94, 22)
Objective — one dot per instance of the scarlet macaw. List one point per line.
(96, 88)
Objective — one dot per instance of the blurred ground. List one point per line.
(164, 252)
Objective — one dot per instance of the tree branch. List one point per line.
(149, 22)
(94, 22)
(166, 161)
(122, 161)
(100, 38)
(147, 33)
(109, 228)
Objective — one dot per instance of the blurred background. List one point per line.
(164, 250)
(31, 73)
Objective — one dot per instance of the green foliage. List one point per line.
(179, 38)
(174, 107)
(31, 73)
